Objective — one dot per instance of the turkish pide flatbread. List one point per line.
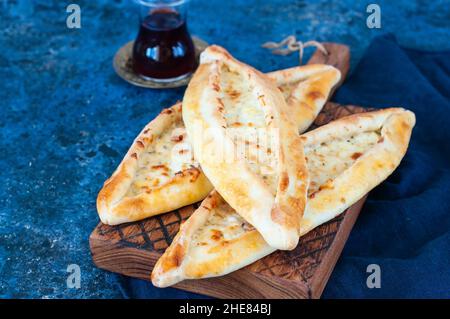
(306, 89)
(265, 180)
(159, 174)
(345, 159)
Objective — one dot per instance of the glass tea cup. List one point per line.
(163, 50)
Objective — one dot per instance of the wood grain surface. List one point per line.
(132, 249)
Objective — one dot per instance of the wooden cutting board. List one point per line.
(132, 249)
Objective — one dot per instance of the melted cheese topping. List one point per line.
(325, 162)
(246, 125)
(223, 226)
(329, 159)
(168, 154)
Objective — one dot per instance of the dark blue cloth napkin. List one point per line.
(404, 226)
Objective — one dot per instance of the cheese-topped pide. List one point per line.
(159, 172)
(269, 192)
(306, 89)
(214, 241)
(345, 159)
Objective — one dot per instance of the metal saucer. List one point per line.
(123, 67)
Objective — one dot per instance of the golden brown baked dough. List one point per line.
(121, 200)
(346, 159)
(248, 147)
(158, 174)
(306, 90)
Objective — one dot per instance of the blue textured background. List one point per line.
(67, 119)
